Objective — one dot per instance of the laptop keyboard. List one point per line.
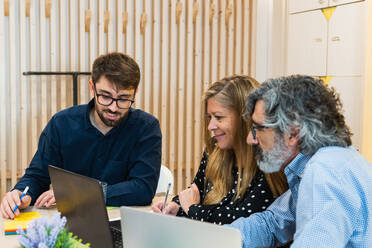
(116, 237)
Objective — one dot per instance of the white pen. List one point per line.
(166, 197)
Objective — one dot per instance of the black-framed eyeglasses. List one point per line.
(107, 101)
(257, 127)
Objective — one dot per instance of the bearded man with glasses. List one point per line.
(105, 139)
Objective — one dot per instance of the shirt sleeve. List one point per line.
(328, 209)
(271, 228)
(37, 175)
(143, 172)
(199, 181)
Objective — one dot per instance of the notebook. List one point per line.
(150, 230)
(80, 199)
(11, 226)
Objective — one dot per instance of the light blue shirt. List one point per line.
(328, 204)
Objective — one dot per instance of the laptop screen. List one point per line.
(80, 199)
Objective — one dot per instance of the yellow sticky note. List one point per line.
(21, 220)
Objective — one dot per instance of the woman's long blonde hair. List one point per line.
(231, 92)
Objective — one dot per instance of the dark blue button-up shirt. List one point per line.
(127, 158)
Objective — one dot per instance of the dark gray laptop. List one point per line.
(81, 200)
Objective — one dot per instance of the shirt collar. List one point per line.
(88, 124)
(296, 167)
(89, 106)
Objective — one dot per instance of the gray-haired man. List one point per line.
(298, 127)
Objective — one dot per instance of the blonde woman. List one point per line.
(228, 184)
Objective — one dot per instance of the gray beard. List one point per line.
(273, 160)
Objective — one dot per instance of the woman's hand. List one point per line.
(171, 208)
(189, 197)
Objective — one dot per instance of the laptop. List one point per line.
(80, 199)
(143, 229)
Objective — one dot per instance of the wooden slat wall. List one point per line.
(180, 45)
(3, 102)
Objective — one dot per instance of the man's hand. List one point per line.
(171, 208)
(46, 199)
(189, 197)
(10, 200)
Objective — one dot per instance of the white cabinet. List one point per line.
(334, 47)
(337, 2)
(295, 6)
(303, 5)
(307, 43)
(345, 40)
(319, 47)
(351, 95)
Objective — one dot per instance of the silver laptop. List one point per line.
(143, 229)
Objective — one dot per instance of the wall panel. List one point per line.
(34, 65)
(13, 92)
(181, 46)
(3, 105)
(188, 102)
(23, 151)
(83, 51)
(197, 86)
(54, 56)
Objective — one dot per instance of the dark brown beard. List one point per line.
(107, 122)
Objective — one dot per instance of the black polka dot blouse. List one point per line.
(256, 199)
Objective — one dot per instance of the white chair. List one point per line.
(165, 177)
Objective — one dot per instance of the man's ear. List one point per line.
(293, 137)
(91, 86)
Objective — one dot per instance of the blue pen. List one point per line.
(166, 197)
(23, 194)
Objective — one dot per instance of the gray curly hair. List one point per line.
(306, 103)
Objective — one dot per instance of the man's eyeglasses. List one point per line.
(255, 128)
(107, 101)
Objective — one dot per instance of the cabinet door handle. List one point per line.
(321, 1)
(318, 39)
(336, 38)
